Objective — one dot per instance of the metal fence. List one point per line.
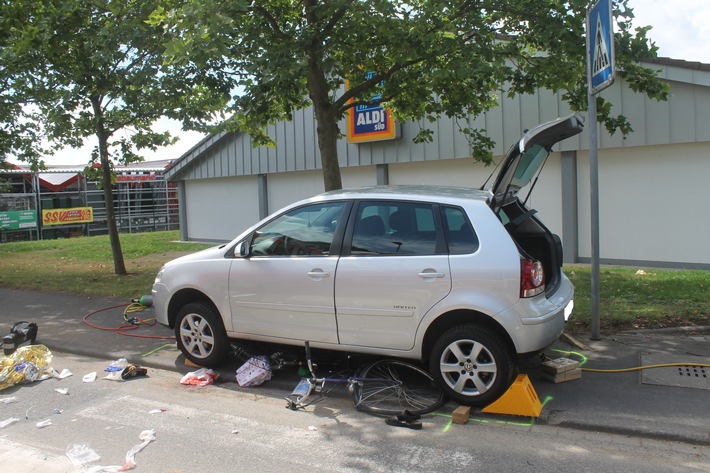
(142, 202)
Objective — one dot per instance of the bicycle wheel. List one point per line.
(389, 387)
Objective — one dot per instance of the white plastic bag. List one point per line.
(201, 377)
(115, 369)
(7, 422)
(80, 453)
(146, 437)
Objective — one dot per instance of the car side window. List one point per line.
(307, 230)
(394, 228)
(460, 235)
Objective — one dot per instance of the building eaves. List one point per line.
(194, 153)
(693, 65)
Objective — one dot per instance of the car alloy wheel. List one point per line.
(471, 364)
(200, 334)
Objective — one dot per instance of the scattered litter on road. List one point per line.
(7, 422)
(80, 454)
(64, 374)
(115, 369)
(8, 400)
(89, 378)
(146, 436)
(254, 372)
(133, 371)
(62, 390)
(156, 411)
(121, 370)
(117, 365)
(57, 411)
(312, 428)
(201, 377)
(44, 423)
(27, 364)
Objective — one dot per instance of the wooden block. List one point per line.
(564, 376)
(559, 365)
(460, 415)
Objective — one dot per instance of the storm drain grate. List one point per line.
(687, 376)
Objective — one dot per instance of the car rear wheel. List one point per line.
(472, 365)
(200, 334)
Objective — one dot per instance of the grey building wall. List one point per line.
(675, 134)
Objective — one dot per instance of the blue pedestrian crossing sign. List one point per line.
(600, 46)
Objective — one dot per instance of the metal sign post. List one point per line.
(601, 71)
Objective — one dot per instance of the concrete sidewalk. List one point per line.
(664, 403)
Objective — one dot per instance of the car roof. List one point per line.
(410, 192)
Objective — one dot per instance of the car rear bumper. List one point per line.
(536, 323)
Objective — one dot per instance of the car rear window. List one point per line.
(460, 235)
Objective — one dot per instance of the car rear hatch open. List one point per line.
(519, 169)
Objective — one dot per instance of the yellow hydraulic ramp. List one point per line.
(519, 400)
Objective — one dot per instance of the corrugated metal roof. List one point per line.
(144, 166)
(231, 154)
(666, 61)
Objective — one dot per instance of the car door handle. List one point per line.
(318, 273)
(429, 274)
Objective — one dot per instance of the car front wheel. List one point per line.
(200, 334)
(472, 365)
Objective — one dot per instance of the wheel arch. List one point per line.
(186, 296)
(462, 317)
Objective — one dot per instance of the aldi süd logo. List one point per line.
(370, 123)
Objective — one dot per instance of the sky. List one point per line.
(681, 30)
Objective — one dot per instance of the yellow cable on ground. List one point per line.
(133, 308)
(626, 370)
(637, 368)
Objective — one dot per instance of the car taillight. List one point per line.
(532, 278)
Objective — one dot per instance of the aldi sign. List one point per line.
(370, 123)
(600, 46)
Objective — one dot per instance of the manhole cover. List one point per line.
(686, 376)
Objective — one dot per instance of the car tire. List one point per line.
(472, 364)
(200, 334)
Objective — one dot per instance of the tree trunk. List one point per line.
(119, 267)
(327, 123)
(328, 145)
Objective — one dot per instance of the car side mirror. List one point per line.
(242, 249)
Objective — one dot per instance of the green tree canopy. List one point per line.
(95, 69)
(430, 58)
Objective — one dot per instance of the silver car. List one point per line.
(464, 280)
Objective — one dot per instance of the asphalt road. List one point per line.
(604, 421)
(227, 428)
